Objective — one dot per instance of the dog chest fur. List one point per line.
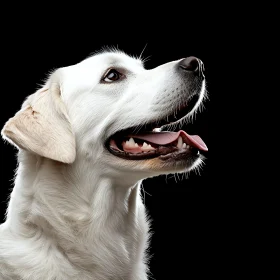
(75, 226)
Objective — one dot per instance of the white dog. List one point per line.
(86, 140)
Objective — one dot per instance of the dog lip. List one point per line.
(181, 154)
(182, 111)
(163, 153)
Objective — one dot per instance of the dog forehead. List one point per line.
(108, 59)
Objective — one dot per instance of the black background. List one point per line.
(187, 215)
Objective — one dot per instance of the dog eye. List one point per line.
(112, 76)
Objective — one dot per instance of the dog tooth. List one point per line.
(136, 145)
(184, 146)
(180, 142)
(145, 145)
(131, 140)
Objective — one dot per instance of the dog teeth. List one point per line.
(131, 143)
(131, 146)
(147, 147)
(180, 143)
(157, 129)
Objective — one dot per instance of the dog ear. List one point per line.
(42, 126)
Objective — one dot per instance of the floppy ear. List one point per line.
(42, 126)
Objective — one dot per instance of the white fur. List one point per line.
(76, 211)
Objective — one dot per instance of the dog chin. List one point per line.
(174, 163)
(173, 166)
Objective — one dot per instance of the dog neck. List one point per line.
(89, 216)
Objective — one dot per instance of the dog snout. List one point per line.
(192, 64)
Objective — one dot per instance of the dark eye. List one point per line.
(112, 76)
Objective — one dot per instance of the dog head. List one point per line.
(111, 110)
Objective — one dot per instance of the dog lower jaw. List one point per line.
(176, 163)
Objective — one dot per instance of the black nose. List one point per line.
(192, 64)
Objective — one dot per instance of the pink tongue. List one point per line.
(166, 137)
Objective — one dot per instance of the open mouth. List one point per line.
(149, 143)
